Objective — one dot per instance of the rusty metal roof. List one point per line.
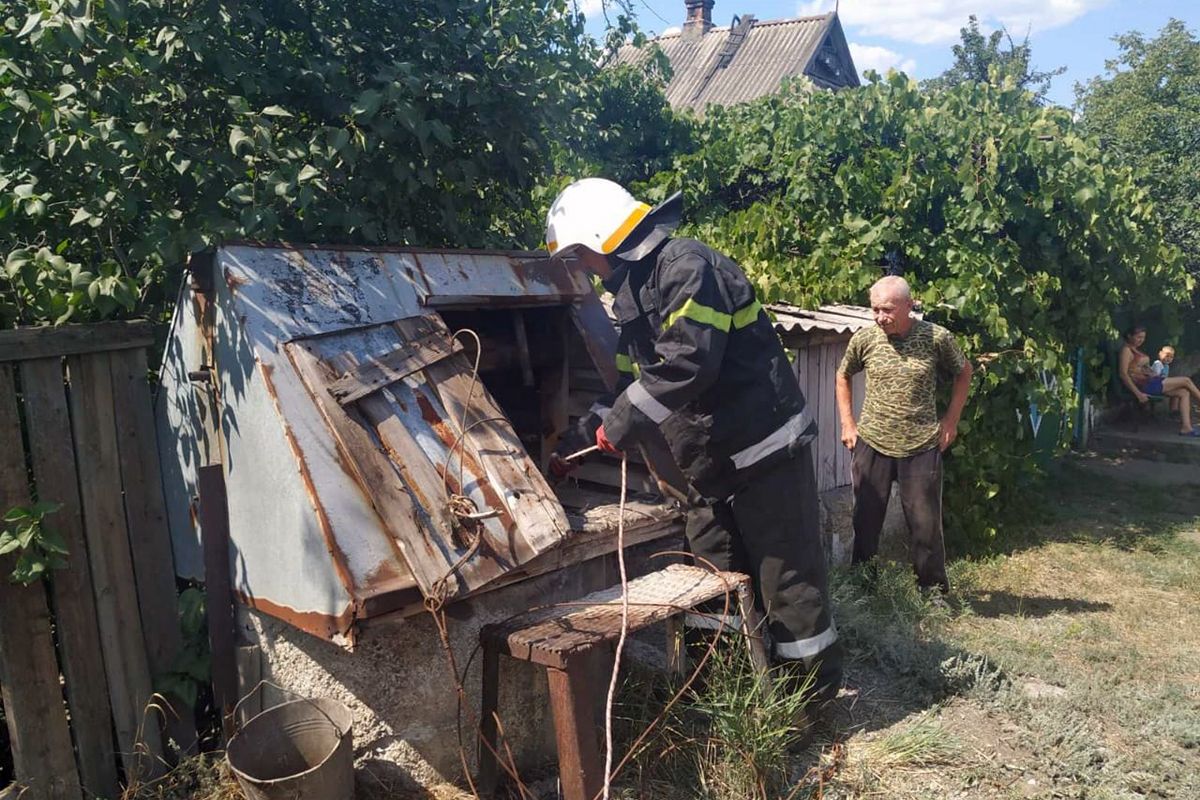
(341, 422)
(725, 67)
(831, 319)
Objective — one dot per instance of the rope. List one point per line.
(466, 515)
(612, 684)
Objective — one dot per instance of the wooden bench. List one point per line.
(1130, 410)
(563, 638)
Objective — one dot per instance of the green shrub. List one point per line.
(1017, 233)
(136, 131)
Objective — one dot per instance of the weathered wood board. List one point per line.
(29, 675)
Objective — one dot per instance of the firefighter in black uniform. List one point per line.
(700, 360)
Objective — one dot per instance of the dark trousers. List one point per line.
(920, 479)
(770, 529)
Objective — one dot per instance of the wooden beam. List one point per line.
(580, 769)
(411, 356)
(554, 395)
(523, 347)
(489, 705)
(33, 706)
(48, 341)
(218, 587)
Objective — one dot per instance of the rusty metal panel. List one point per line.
(417, 422)
(321, 529)
(283, 483)
(451, 278)
(286, 292)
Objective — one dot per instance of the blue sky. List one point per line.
(916, 35)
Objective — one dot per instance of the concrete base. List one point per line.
(1154, 440)
(837, 526)
(398, 684)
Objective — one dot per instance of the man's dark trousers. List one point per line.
(920, 479)
(770, 529)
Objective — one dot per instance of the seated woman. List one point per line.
(1136, 374)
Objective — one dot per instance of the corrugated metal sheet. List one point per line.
(770, 52)
(832, 319)
(337, 511)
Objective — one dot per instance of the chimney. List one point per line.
(699, 17)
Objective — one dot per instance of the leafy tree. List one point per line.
(626, 130)
(138, 130)
(1146, 110)
(993, 58)
(634, 134)
(622, 127)
(1015, 231)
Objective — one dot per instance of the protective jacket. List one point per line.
(699, 359)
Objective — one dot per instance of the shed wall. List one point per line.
(182, 446)
(816, 370)
(266, 491)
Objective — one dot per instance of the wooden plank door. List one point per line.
(428, 430)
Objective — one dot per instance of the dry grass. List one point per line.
(204, 777)
(729, 738)
(1069, 667)
(207, 777)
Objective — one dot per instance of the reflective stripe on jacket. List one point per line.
(699, 358)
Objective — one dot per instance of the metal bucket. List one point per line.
(300, 750)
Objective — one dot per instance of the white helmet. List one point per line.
(595, 213)
(600, 215)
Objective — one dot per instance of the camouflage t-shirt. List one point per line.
(899, 413)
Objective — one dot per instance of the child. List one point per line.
(1162, 368)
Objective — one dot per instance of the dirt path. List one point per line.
(1068, 667)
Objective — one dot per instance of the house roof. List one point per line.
(793, 320)
(749, 59)
(831, 319)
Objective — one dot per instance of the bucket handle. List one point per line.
(237, 727)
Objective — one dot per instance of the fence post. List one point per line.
(214, 528)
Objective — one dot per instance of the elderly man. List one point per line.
(900, 437)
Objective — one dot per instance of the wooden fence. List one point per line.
(79, 649)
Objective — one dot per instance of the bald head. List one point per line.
(893, 287)
(891, 305)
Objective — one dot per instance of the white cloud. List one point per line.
(925, 22)
(671, 31)
(814, 8)
(880, 59)
(589, 8)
